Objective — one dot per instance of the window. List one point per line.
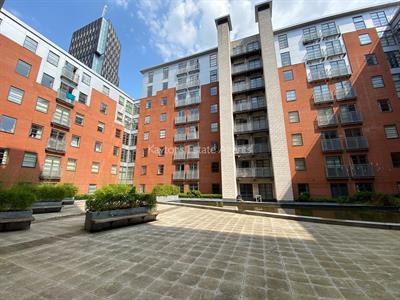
(118, 133)
(359, 22)
(75, 141)
(61, 116)
(214, 108)
(79, 119)
(213, 75)
(393, 58)
(214, 148)
(3, 156)
(103, 108)
(92, 188)
(294, 117)
(7, 124)
(165, 73)
(143, 170)
(146, 135)
(53, 58)
(113, 169)
(163, 117)
(147, 120)
(106, 90)
(391, 132)
(15, 95)
(395, 159)
(95, 167)
(160, 170)
(215, 167)
(288, 75)
(47, 80)
(384, 105)
(364, 39)
(98, 146)
(145, 152)
(290, 95)
(23, 68)
(161, 151)
(396, 80)
(30, 44)
(71, 164)
(371, 59)
(214, 127)
(193, 186)
(213, 91)
(215, 188)
(162, 134)
(364, 187)
(297, 139)
(29, 160)
(148, 104)
(285, 59)
(379, 18)
(303, 188)
(283, 41)
(42, 105)
(164, 101)
(116, 151)
(149, 91)
(339, 190)
(36, 131)
(165, 85)
(121, 100)
(86, 79)
(300, 164)
(386, 38)
(120, 116)
(150, 77)
(101, 127)
(377, 82)
(213, 60)
(82, 98)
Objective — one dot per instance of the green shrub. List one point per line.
(193, 194)
(70, 190)
(197, 194)
(361, 197)
(49, 192)
(119, 196)
(304, 197)
(16, 198)
(165, 190)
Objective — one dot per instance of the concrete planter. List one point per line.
(15, 220)
(102, 220)
(68, 201)
(167, 198)
(41, 207)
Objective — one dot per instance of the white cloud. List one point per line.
(182, 27)
(122, 3)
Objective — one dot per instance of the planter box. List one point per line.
(46, 207)
(68, 201)
(15, 220)
(167, 198)
(102, 220)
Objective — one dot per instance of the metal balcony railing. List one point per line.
(257, 172)
(70, 75)
(243, 50)
(311, 37)
(179, 155)
(350, 117)
(345, 94)
(313, 56)
(251, 126)
(193, 154)
(336, 172)
(60, 120)
(324, 97)
(66, 96)
(180, 137)
(246, 67)
(193, 117)
(335, 51)
(187, 101)
(331, 145)
(192, 174)
(178, 175)
(50, 174)
(249, 105)
(181, 70)
(317, 76)
(362, 171)
(188, 84)
(56, 145)
(192, 136)
(327, 32)
(324, 121)
(247, 86)
(356, 143)
(339, 72)
(180, 119)
(192, 68)
(252, 148)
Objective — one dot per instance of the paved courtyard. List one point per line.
(194, 253)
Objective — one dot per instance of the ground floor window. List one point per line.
(339, 190)
(303, 188)
(181, 188)
(265, 191)
(215, 188)
(92, 188)
(142, 188)
(193, 186)
(364, 187)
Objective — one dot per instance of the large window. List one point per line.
(53, 58)
(359, 22)
(7, 124)
(285, 59)
(30, 44)
(387, 39)
(23, 68)
(29, 160)
(47, 80)
(213, 60)
(61, 116)
(283, 41)
(379, 18)
(364, 39)
(339, 190)
(15, 95)
(377, 82)
(393, 58)
(42, 105)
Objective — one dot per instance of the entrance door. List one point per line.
(246, 191)
(265, 190)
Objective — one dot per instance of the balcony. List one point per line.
(257, 172)
(70, 75)
(339, 72)
(193, 154)
(178, 175)
(345, 94)
(188, 101)
(247, 86)
(350, 117)
(249, 105)
(328, 32)
(181, 70)
(251, 126)
(192, 136)
(192, 175)
(56, 145)
(188, 69)
(336, 172)
(179, 137)
(321, 98)
(244, 50)
(60, 122)
(252, 149)
(314, 57)
(180, 119)
(356, 143)
(335, 51)
(66, 98)
(193, 118)
(331, 145)
(310, 38)
(362, 171)
(179, 155)
(315, 76)
(246, 68)
(52, 174)
(327, 121)
(188, 84)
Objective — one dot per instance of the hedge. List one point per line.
(165, 190)
(16, 198)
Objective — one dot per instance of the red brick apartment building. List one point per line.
(59, 121)
(312, 107)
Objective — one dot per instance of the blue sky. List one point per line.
(154, 31)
